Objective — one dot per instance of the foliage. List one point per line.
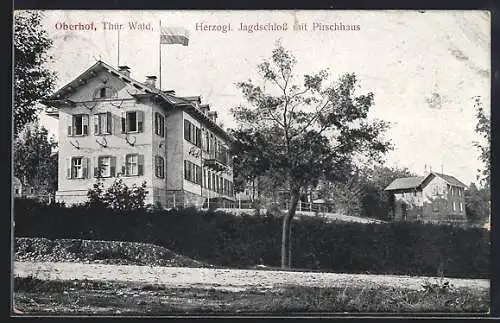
(483, 128)
(244, 241)
(375, 202)
(300, 131)
(477, 204)
(32, 78)
(118, 196)
(34, 163)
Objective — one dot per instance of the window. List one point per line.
(454, 206)
(159, 124)
(78, 168)
(192, 133)
(159, 167)
(102, 123)
(79, 125)
(192, 172)
(134, 165)
(104, 92)
(461, 207)
(17, 191)
(106, 167)
(132, 121)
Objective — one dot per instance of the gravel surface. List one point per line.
(229, 279)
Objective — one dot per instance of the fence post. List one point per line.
(310, 206)
(239, 202)
(300, 205)
(174, 201)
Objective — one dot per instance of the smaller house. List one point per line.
(434, 197)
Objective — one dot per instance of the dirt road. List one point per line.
(228, 279)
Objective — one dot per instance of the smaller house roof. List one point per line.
(405, 183)
(451, 180)
(416, 181)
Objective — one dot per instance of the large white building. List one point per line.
(111, 125)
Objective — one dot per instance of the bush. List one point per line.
(118, 196)
(243, 241)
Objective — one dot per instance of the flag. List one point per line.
(174, 35)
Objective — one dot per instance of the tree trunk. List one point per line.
(286, 236)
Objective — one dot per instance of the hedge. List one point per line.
(243, 241)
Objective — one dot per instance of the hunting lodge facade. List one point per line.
(111, 126)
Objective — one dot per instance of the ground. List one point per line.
(76, 288)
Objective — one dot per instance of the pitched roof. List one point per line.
(405, 183)
(187, 103)
(414, 182)
(451, 180)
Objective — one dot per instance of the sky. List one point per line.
(424, 68)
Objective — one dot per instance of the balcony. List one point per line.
(217, 160)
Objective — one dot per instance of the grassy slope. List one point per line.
(33, 296)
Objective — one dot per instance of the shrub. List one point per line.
(244, 241)
(118, 196)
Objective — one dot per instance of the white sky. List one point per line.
(423, 68)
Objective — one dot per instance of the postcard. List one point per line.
(271, 162)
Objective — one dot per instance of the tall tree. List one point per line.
(32, 79)
(34, 162)
(304, 130)
(483, 128)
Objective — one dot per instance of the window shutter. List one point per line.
(140, 120)
(109, 123)
(124, 122)
(70, 131)
(96, 166)
(68, 168)
(157, 126)
(85, 167)
(140, 165)
(124, 170)
(198, 174)
(186, 129)
(113, 166)
(96, 124)
(185, 169)
(85, 122)
(198, 137)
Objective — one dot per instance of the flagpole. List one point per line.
(159, 49)
(118, 56)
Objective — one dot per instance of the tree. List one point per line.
(34, 162)
(375, 202)
(483, 128)
(477, 204)
(32, 79)
(304, 132)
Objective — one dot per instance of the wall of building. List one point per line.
(75, 190)
(438, 201)
(433, 204)
(413, 201)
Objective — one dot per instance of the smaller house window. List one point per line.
(104, 93)
(159, 124)
(159, 167)
(102, 123)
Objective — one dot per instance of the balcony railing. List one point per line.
(216, 159)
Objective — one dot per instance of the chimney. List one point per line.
(124, 69)
(212, 115)
(151, 81)
(205, 108)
